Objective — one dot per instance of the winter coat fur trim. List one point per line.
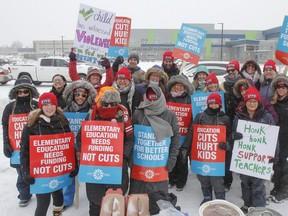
(162, 74)
(32, 89)
(278, 78)
(257, 67)
(180, 79)
(241, 82)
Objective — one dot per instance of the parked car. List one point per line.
(217, 67)
(5, 75)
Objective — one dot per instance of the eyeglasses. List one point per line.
(252, 102)
(57, 81)
(112, 104)
(281, 87)
(83, 95)
(19, 92)
(231, 70)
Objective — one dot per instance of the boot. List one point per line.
(57, 210)
(220, 195)
(207, 193)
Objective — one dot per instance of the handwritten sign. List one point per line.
(252, 153)
(207, 158)
(282, 45)
(101, 152)
(93, 33)
(189, 43)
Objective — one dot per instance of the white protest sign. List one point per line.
(251, 154)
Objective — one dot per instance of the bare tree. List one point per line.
(16, 44)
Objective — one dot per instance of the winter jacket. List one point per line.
(256, 80)
(171, 72)
(133, 70)
(59, 95)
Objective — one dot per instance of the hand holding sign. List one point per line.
(72, 55)
(28, 179)
(8, 150)
(237, 135)
(223, 145)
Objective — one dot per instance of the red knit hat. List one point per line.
(252, 93)
(80, 89)
(214, 98)
(167, 56)
(211, 78)
(234, 64)
(151, 95)
(123, 73)
(46, 99)
(270, 64)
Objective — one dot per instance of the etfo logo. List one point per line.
(149, 174)
(206, 169)
(53, 184)
(98, 174)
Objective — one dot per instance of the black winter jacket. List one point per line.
(59, 95)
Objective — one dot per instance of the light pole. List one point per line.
(222, 25)
(62, 45)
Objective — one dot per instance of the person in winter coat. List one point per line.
(179, 91)
(253, 188)
(133, 61)
(48, 119)
(153, 113)
(94, 75)
(154, 76)
(212, 83)
(213, 115)
(131, 97)
(279, 87)
(108, 108)
(239, 91)
(199, 77)
(251, 71)
(59, 84)
(80, 96)
(22, 93)
(170, 68)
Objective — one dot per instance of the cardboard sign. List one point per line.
(15, 127)
(252, 153)
(199, 101)
(184, 116)
(120, 37)
(189, 43)
(207, 158)
(52, 158)
(282, 45)
(101, 152)
(149, 157)
(93, 33)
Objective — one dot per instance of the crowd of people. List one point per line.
(145, 102)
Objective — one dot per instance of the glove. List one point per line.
(271, 160)
(237, 136)
(72, 55)
(105, 63)
(119, 60)
(8, 150)
(73, 173)
(183, 153)
(222, 145)
(29, 179)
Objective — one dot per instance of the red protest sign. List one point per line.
(16, 125)
(102, 143)
(121, 32)
(205, 143)
(51, 155)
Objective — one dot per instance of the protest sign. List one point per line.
(52, 158)
(149, 157)
(282, 45)
(93, 33)
(101, 152)
(189, 43)
(207, 158)
(75, 119)
(252, 153)
(120, 37)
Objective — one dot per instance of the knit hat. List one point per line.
(278, 81)
(214, 98)
(107, 94)
(80, 89)
(46, 99)
(151, 95)
(123, 73)
(167, 56)
(211, 78)
(134, 55)
(93, 70)
(200, 69)
(234, 64)
(270, 64)
(252, 93)
(23, 84)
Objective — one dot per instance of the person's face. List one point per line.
(168, 64)
(178, 87)
(23, 92)
(49, 110)
(133, 62)
(80, 97)
(58, 82)
(122, 83)
(154, 77)
(232, 73)
(213, 87)
(252, 105)
(214, 106)
(269, 73)
(250, 68)
(94, 79)
(282, 91)
(108, 105)
(201, 76)
(243, 92)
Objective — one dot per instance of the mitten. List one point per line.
(29, 179)
(72, 55)
(183, 155)
(271, 160)
(237, 135)
(7, 150)
(119, 60)
(105, 63)
(222, 145)
(73, 173)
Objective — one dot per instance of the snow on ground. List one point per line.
(189, 199)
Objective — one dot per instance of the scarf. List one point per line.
(74, 107)
(107, 112)
(152, 110)
(130, 89)
(255, 78)
(176, 94)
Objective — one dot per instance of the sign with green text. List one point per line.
(251, 154)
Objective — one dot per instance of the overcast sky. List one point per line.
(28, 20)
